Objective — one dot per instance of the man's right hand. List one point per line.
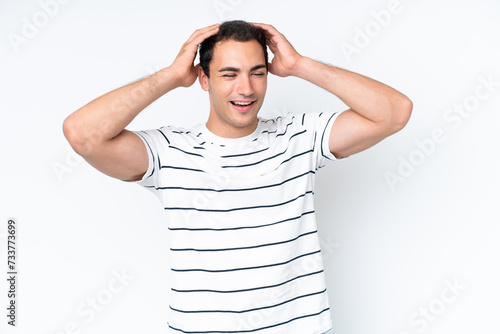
(183, 64)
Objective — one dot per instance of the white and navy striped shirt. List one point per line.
(245, 252)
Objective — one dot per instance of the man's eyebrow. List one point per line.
(229, 69)
(256, 67)
(234, 69)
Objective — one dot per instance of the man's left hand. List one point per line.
(285, 58)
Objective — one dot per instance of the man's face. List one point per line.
(237, 86)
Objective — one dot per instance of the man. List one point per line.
(238, 190)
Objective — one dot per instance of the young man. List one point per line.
(238, 190)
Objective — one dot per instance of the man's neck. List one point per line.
(226, 130)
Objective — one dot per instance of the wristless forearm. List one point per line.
(105, 117)
(364, 95)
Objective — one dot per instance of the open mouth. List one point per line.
(242, 104)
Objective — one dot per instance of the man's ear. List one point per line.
(203, 79)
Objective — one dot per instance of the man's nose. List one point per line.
(245, 86)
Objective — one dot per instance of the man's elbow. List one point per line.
(401, 114)
(70, 130)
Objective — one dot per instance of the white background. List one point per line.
(391, 248)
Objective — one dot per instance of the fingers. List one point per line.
(273, 36)
(183, 64)
(285, 56)
(267, 27)
(201, 34)
(269, 30)
(190, 48)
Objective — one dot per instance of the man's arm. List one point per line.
(97, 130)
(376, 110)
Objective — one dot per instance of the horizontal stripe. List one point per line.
(266, 159)
(251, 330)
(246, 268)
(249, 289)
(243, 154)
(241, 248)
(241, 208)
(183, 168)
(238, 189)
(293, 157)
(253, 309)
(190, 153)
(238, 228)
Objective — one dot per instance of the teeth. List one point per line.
(242, 103)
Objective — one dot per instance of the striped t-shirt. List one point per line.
(244, 247)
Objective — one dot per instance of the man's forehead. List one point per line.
(238, 51)
(229, 41)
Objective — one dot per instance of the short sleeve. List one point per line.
(321, 123)
(155, 142)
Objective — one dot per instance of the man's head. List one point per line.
(239, 31)
(233, 69)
